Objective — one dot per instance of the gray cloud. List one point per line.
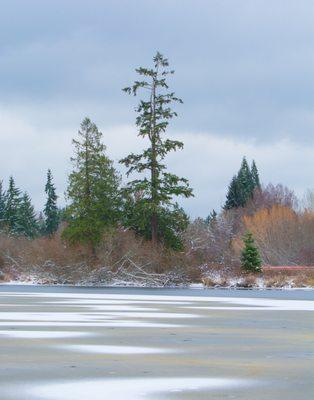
(244, 69)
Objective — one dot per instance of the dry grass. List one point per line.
(121, 253)
(124, 256)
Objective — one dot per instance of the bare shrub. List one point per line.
(283, 236)
(121, 255)
(273, 195)
(211, 244)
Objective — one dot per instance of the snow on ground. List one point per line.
(130, 389)
(36, 334)
(113, 324)
(104, 349)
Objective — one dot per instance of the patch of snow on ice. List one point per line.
(130, 389)
(152, 315)
(104, 349)
(109, 324)
(42, 334)
(254, 303)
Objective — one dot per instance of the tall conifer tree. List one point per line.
(93, 189)
(2, 206)
(27, 216)
(12, 216)
(233, 195)
(51, 211)
(242, 186)
(245, 183)
(255, 176)
(158, 186)
(211, 220)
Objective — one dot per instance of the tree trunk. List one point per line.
(92, 250)
(154, 227)
(154, 171)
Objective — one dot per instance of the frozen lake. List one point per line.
(65, 343)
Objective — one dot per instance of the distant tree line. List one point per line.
(18, 216)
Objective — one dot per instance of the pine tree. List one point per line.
(245, 183)
(154, 114)
(212, 218)
(2, 206)
(12, 216)
(27, 216)
(250, 258)
(242, 186)
(172, 221)
(233, 195)
(255, 176)
(41, 224)
(51, 211)
(93, 189)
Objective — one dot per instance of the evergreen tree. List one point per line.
(158, 186)
(212, 218)
(51, 211)
(255, 176)
(172, 221)
(12, 215)
(2, 206)
(242, 186)
(41, 224)
(250, 258)
(93, 189)
(28, 222)
(245, 183)
(233, 195)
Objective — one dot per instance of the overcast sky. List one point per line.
(244, 68)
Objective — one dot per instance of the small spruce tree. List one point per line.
(27, 216)
(12, 215)
(2, 206)
(51, 211)
(250, 258)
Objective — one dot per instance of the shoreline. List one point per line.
(192, 286)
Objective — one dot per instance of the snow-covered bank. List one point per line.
(233, 283)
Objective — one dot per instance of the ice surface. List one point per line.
(257, 303)
(130, 389)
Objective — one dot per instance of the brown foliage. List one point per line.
(283, 236)
(50, 260)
